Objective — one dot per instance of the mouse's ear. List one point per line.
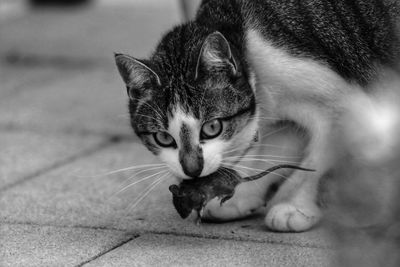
(174, 189)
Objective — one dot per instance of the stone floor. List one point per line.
(64, 127)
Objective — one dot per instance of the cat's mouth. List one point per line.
(238, 157)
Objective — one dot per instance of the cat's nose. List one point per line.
(192, 163)
(192, 170)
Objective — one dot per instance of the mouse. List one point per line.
(196, 193)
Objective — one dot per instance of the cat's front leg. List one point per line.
(294, 208)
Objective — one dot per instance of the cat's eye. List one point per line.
(211, 129)
(164, 139)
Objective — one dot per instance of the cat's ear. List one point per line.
(215, 54)
(136, 74)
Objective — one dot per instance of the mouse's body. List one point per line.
(196, 193)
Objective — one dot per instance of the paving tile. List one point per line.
(169, 250)
(74, 195)
(93, 32)
(29, 245)
(24, 154)
(93, 101)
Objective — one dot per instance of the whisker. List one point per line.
(283, 147)
(129, 169)
(147, 191)
(246, 175)
(154, 109)
(269, 160)
(235, 162)
(227, 172)
(162, 176)
(280, 175)
(268, 145)
(273, 132)
(150, 117)
(146, 170)
(139, 181)
(229, 151)
(241, 166)
(259, 145)
(266, 118)
(146, 116)
(223, 173)
(255, 146)
(241, 171)
(143, 171)
(274, 156)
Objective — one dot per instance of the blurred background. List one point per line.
(65, 49)
(85, 31)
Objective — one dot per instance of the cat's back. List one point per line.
(349, 36)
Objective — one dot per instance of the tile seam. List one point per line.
(85, 153)
(12, 128)
(149, 232)
(99, 255)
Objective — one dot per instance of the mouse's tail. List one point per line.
(274, 168)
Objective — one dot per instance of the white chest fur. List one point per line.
(282, 78)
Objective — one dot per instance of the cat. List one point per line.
(203, 90)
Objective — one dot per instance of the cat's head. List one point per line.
(191, 103)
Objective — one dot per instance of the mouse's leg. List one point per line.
(197, 221)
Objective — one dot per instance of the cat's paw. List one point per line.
(287, 217)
